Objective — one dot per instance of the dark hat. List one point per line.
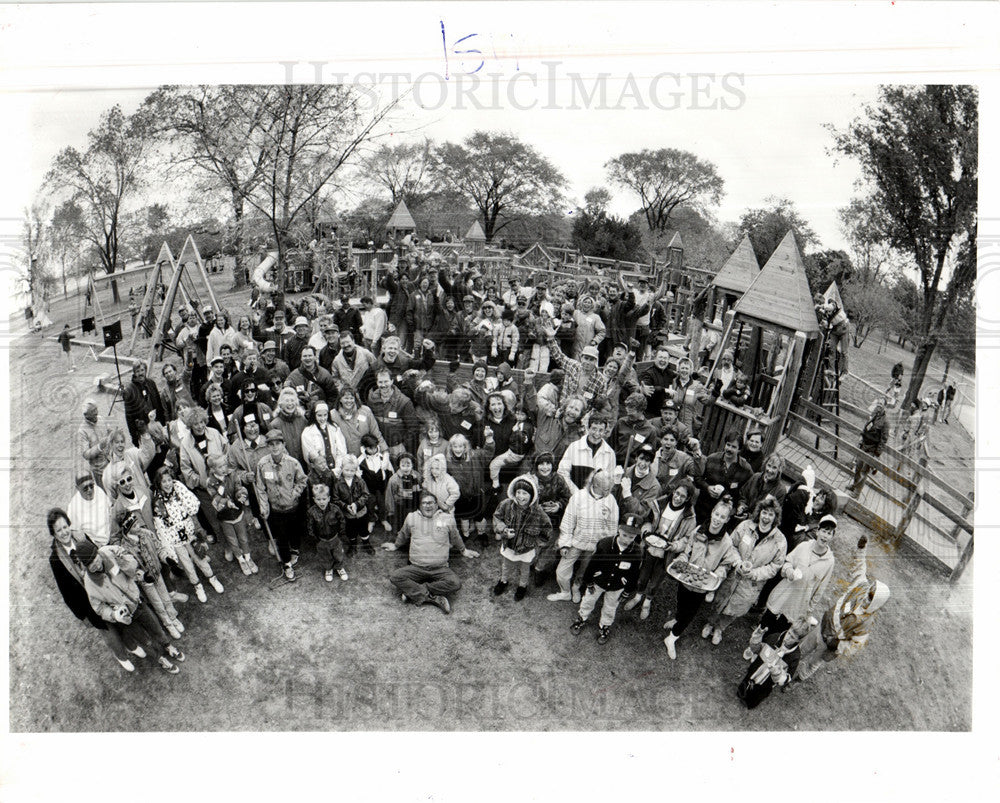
(545, 457)
(521, 485)
(275, 435)
(631, 525)
(646, 452)
(249, 385)
(669, 405)
(85, 552)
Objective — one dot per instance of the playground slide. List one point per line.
(261, 271)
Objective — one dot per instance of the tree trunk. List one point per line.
(920, 364)
(115, 298)
(279, 270)
(239, 274)
(65, 291)
(947, 367)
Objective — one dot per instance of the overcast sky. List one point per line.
(774, 143)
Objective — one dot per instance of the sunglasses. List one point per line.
(125, 480)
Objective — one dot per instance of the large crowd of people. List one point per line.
(329, 428)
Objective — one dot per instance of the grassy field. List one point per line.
(350, 656)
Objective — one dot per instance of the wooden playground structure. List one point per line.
(807, 409)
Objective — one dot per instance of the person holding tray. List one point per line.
(710, 549)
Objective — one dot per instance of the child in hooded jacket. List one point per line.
(521, 526)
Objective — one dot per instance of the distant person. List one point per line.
(949, 398)
(65, 340)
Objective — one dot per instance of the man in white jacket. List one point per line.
(591, 515)
(588, 455)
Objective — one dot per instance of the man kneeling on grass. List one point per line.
(431, 534)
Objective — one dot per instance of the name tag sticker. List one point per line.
(639, 438)
(250, 418)
(392, 414)
(466, 425)
(625, 565)
(269, 475)
(673, 472)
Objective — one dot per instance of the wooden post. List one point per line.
(168, 305)
(963, 561)
(908, 511)
(146, 300)
(785, 392)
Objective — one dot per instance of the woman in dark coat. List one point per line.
(69, 579)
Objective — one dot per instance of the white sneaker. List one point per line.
(253, 566)
(328, 575)
(747, 654)
(127, 665)
(270, 549)
(559, 596)
(243, 565)
(138, 652)
(706, 631)
(199, 591)
(647, 605)
(716, 637)
(294, 560)
(229, 556)
(669, 642)
(668, 625)
(216, 584)
(342, 572)
(576, 597)
(633, 602)
(386, 526)
(173, 631)
(179, 625)
(178, 596)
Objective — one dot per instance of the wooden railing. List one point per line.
(903, 500)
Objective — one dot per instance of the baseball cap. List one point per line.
(631, 525)
(216, 359)
(828, 522)
(589, 351)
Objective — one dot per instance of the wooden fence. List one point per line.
(900, 499)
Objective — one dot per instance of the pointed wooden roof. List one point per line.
(675, 241)
(739, 271)
(834, 292)
(401, 218)
(475, 232)
(780, 293)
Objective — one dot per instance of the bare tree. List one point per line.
(403, 170)
(103, 179)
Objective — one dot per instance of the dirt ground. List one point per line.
(350, 656)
